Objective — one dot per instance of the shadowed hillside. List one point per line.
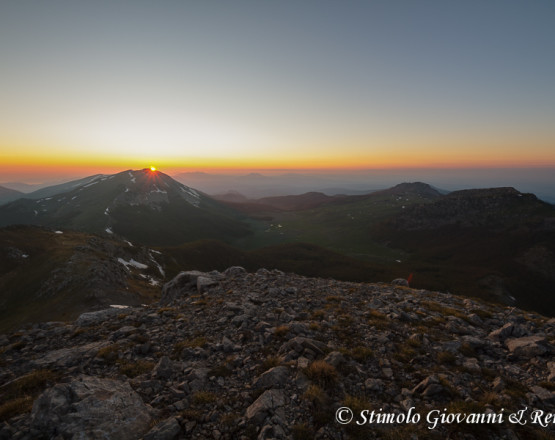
(145, 206)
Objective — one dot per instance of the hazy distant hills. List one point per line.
(143, 205)
(7, 194)
(256, 185)
(281, 203)
(495, 243)
(314, 199)
(538, 181)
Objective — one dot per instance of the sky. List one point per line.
(103, 86)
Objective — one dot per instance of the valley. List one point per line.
(495, 244)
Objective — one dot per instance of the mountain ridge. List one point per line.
(8, 194)
(48, 275)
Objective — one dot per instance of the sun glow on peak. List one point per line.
(152, 168)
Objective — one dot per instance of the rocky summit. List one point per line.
(269, 355)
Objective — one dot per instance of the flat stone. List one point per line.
(544, 395)
(425, 384)
(299, 343)
(527, 347)
(472, 365)
(92, 318)
(376, 385)
(168, 429)
(509, 330)
(91, 408)
(67, 357)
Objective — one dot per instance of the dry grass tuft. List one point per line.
(322, 373)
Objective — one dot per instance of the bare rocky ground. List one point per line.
(237, 355)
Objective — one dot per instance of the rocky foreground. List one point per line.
(237, 355)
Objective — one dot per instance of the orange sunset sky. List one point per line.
(98, 87)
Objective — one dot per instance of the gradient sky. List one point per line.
(108, 85)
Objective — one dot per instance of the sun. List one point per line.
(152, 168)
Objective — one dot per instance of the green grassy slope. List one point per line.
(301, 258)
(344, 226)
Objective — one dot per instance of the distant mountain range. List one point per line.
(494, 243)
(7, 194)
(256, 185)
(539, 181)
(313, 200)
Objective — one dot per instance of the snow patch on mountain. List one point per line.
(156, 262)
(158, 190)
(133, 263)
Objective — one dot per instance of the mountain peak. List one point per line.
(505, 191)
(415, 187)
(143, 205)
(495, 208)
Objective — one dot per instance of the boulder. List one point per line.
(98, 317)
(430, 380)
(472, 365)
(235, 271)
(205, 283)
(275, 377)
(376, 385)
(163, 369)
(335, 358)
(527, 347)
(295, 347)
(91, 408)
(509, 330)
(400, 282)
(264, 405)
(182, 284)
(68, 357)
(168, 429)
